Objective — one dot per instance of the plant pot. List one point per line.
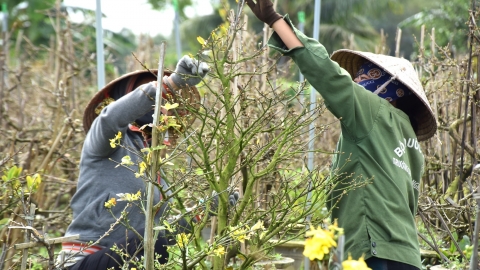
(284, 263)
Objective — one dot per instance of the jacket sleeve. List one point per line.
(356, 107)
(116, 116)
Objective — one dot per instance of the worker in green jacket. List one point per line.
(384, 113)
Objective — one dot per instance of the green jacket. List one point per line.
(377, 149)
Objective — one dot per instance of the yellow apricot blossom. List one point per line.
(172, 122)
(351, 264)
(116, 140)
(182, 239)
(335, 229)
(142, 166)
(126, 161)
(219, 251)
(258, 226)
(240, 234)
(110, 203)
(319, 243)
(168, 106)
(129, 197)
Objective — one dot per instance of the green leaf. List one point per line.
(464, 242)
(452, 245)
(14, 172)
(199, 171)
(201, 40)
(4, 221)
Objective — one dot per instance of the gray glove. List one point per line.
(188, 72)
(232, 201)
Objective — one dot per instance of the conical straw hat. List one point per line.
(406, 74)
(191, 95)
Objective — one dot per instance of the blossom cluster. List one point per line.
(320, 242)
(244, 232)
(129, 197)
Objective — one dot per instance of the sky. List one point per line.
(137, 15)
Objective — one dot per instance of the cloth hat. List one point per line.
(418, 107)
(126, 83)
(377, 78)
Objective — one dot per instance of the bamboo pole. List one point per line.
(432, 45)
(438, 146)
(59, 49)
(71, 55)
(259, 184)
(465, 112)
(149, 237)
(397, 42)
(3, 59)
(422, 51)
(29, 217)
(263, 76)
(237, 97)
(422, 41)
(18, 45)
(457, 128)
(39, 196)
(435, 101)
(474, 259)
(236, 48)
(266, 35)
(383, 41)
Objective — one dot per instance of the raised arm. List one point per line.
(264, 11)
(348, 101)
(287, 35)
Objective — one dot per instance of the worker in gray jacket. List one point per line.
(124, 105)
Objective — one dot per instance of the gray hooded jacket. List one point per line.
(100, 179)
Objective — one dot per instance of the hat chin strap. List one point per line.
(131, 84)
(384, 85)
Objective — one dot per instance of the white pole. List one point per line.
(177, 35)
(177, 29)
(100, 57)
(301, 27)
(313, 104)
(476, 196)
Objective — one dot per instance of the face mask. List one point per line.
(391, 88)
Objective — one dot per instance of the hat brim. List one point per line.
(405, 73)
(89, 114)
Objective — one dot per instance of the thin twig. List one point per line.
(434, 246)
(446, 228)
